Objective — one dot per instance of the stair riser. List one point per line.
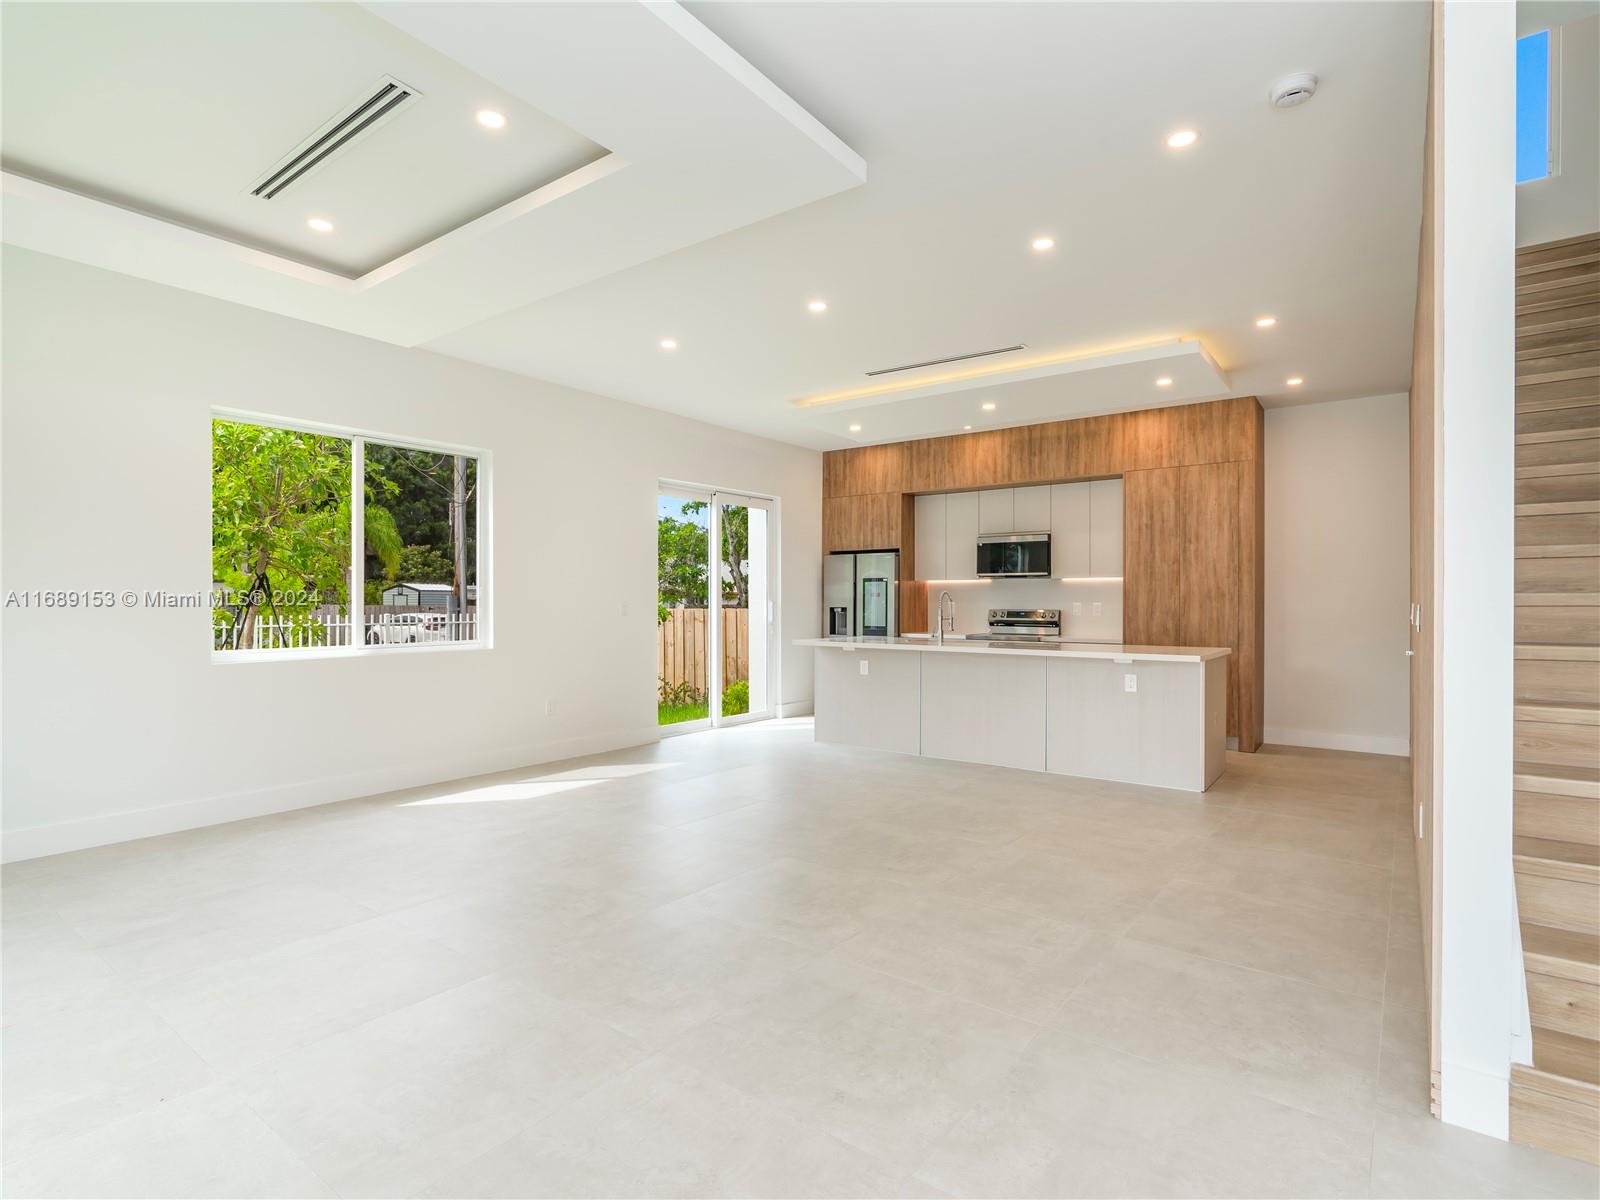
(1574, 456)
(1554, 1123)
(1558, 903)
(1558, 744)
(1563, 1054)
(1558, 574)
(1564, 1005)
(1540, 682)
(1561, 420)
(1563, 393)
(1558, 625)
(1562, 529)
(1559, 818)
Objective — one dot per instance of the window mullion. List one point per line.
(358, 542)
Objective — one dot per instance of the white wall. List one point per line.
(1338, 553)
(119, 725)
(1567, 204)
(1478, 979)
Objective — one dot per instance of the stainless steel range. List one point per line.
(1024, 624)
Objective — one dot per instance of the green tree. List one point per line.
(280, 524)
(681, 549)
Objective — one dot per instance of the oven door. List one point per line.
(1014, 555)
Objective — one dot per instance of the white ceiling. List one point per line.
(726, 205)
(178, 109)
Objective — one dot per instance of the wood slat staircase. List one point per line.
(1555, 1104)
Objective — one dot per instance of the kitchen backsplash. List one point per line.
(974, 599)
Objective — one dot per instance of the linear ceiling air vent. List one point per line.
(937, 362)
(347, 126)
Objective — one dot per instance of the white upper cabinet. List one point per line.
(1105, 528)
(1030, 509)
(995, 511)
(961, 535)
(1069, 530)
(929, 546)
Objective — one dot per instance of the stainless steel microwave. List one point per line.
(1013, 555)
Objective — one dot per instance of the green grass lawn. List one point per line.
(673, 714)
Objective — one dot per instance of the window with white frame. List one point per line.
(326, 540)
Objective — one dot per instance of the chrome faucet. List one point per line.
(939, 624)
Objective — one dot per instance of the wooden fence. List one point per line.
(681, 646)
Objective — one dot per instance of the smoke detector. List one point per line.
(1293, 90)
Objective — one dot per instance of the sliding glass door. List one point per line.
(715, 608)
(746, 607)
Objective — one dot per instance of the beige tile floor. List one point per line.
(743, 964)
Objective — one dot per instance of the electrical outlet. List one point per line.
(1130, 683)
(1098, 609)
(864, 665)
(1077, 608)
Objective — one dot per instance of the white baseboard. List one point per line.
(1475, 1100)
(796, 708)
(1317, 739)
(38, 841)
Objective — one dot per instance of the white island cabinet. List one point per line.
(1153, 715)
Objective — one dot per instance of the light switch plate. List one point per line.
(1077, 608)
(865, 663)
(1098, 608)
(1130, 683)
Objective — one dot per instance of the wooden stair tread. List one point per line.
(1559, 550)
(1564, 953)
(1553, 507)
(1555, 780)
(1557, 599)
(1556, 652)
(1544, 850)
(1573, 434)
(1559, 714)
(1555, 1085)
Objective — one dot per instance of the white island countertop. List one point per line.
(1116, 652)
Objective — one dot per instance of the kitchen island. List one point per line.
(1154, 715)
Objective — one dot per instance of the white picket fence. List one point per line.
(403, 628)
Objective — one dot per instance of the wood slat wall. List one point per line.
(1194, 541)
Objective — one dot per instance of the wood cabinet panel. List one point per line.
(863, 522)
(1181, 556)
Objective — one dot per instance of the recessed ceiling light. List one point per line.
(818, 306)
(988, 406)
(489, 119)
(1164, 381)
(855, 429)
(1266, 322)
(1182, 138)
(320, 224)
(1042, 244)
(669, 343)
(966, 427)
(1294, 381)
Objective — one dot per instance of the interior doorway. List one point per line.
(716, 608)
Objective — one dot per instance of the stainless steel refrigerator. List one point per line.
(860, 594)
